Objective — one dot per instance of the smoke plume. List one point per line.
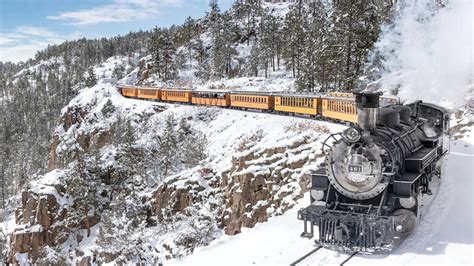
(427, 52)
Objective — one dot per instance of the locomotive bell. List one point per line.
(367, 105)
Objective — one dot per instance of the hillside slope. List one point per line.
(125, 185)
(443, 236)
(131, 181)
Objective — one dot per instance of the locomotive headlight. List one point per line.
(317, 194)
(351, 134)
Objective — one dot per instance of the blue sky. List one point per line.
(27, 26)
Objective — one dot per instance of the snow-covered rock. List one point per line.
(256, 167)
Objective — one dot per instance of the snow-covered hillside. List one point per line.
(445, 235)
(134, 181)
(241, 144)
(255, 166)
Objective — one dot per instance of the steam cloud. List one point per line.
(428, 52)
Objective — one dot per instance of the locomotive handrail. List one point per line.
(327, 145)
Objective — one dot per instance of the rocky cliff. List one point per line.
(108, 201)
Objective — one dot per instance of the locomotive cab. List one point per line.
(435, 123)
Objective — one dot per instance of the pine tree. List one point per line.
(163, 52)
(268, 42)
(202, 58)
(184, 128)
(313, 60)
(91, 79)
(82, 186)
(168, 145)
(118, 72)
(189, 30)
(356, 28)
(120, 221)
(131, 157)
(248, 12)
(222, 30)
(254, 61)
(293, 40)
(108, 109)
(194, 149)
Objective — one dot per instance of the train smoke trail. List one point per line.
(427, 53)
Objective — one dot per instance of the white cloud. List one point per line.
(8, 38)
(25, 32)
(35, 31)
(25, 41)
(24, 52)
(118, 11)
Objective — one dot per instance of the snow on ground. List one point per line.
(278, 9)
(443, 236)
(7, 224)
(46, 185)
(279, 81)
(98, 96)
(43, 64)
(274, 242)
(122, 64)
(229, 128)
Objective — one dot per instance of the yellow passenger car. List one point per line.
(176, 95)
(251, 100)
(298, 104)
(129, 91)
(212, 98)
(340, 107)
(149, 93)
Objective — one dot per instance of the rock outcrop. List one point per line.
(178, 194)
(264, 183)
(260, 184)
(38, 220)
(249, 178)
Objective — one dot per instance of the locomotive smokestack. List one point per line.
(367, 105)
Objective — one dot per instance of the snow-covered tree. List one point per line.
(91, 79)
(293, 38)
(168, 145)
(131, 157)
(163, 52)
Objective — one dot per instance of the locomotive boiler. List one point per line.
(369, 189)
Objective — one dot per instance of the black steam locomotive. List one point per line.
(374, 175)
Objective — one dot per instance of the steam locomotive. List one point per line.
(369, 189)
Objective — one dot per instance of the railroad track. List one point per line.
(306, 255)
(316, 249)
